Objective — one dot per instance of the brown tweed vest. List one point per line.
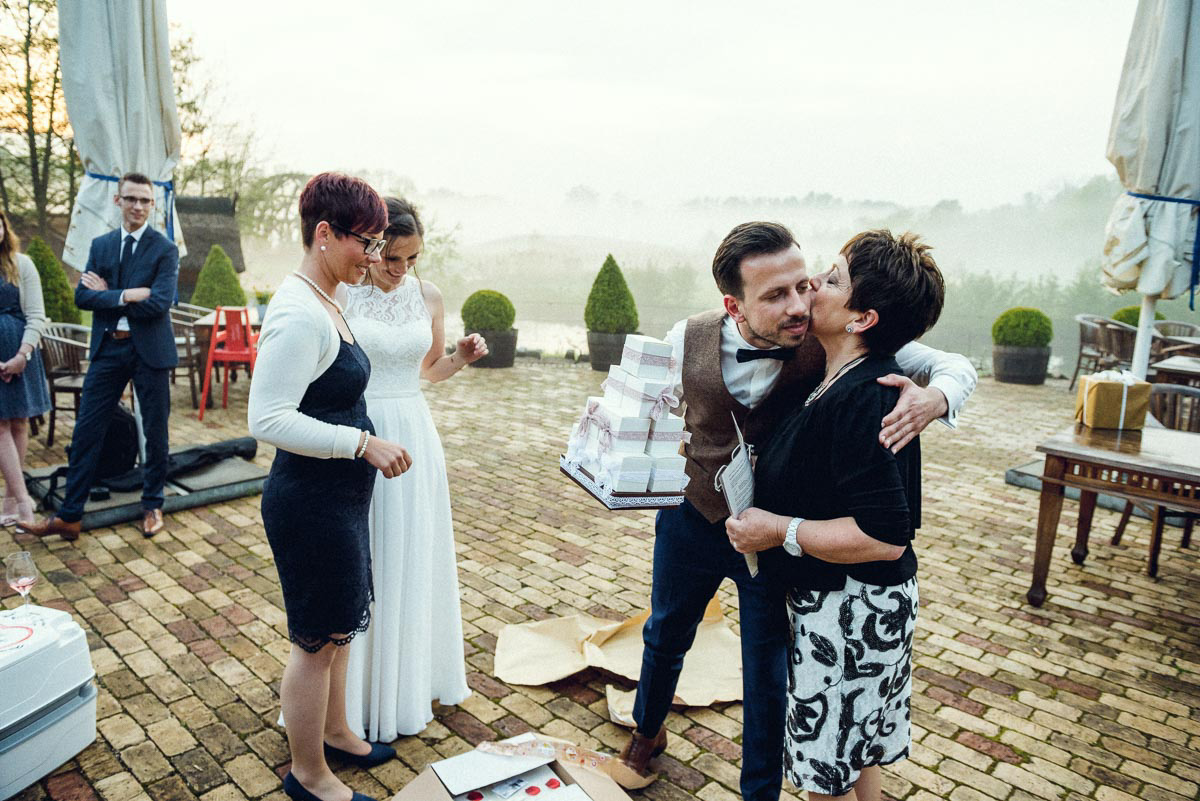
(708, 405)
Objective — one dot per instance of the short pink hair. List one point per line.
(341, 200)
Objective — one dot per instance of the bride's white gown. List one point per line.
(413, 651)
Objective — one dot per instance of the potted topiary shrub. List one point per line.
(1021, 346)
(56, 291)
(610, 314)
(1131, 314)
(218, 284)
(490, 314)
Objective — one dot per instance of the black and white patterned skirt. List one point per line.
(849, 683)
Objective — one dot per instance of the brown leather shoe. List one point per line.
(636, 758)
(152, 522)
(51, 526)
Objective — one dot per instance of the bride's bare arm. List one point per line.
(437, 366)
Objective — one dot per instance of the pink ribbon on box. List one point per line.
(650, 359)
(606, 435)
(671, 436)
(664, 400)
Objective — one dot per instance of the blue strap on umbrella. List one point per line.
(1195, 244)
(168, 188)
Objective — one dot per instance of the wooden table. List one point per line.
(1183, 346)
(211, 318)
(1158, 466)
(1178, 370)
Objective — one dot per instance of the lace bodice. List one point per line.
(395, 330)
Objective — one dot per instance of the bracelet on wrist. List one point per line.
(362, 448)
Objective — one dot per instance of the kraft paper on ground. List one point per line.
(548, 650)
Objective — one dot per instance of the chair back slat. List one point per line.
(1176, 406)
(235, 320)
(1176, 328)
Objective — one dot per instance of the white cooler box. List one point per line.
(47, 696)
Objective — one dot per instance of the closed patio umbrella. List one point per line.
(1151, 243)
(116, 74)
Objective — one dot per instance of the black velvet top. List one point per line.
(824, 461)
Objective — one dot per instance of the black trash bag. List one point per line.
(186, 461)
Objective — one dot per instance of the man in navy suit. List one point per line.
(129, 285)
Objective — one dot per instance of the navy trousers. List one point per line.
(114, 365)
(691, 558)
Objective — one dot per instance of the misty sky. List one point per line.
(664, 101)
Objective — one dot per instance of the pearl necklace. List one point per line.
(320, 291)
(824, 385)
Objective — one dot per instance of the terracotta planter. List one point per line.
(604, 350)
(502, 348)
(1020, 365)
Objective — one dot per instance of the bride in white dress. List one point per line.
(413, 651)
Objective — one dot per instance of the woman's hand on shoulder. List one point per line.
(390, 458)
(755, 530)
(471, 348)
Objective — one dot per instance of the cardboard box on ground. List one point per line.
(480, 776)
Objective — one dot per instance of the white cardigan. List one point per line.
(33, 306)
(298, 343)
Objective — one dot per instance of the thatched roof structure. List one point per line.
(206, 221)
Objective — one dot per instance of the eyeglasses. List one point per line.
(370, 246)
(137, 201)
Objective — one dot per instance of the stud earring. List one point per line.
(322, 247)
(849, 328)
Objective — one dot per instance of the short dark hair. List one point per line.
(342, 201)
(747, 239)
(134, 178)
(898, 278)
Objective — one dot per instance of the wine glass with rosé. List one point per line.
(22, 574)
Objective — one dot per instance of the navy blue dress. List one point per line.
(26, 395)
(315, 515)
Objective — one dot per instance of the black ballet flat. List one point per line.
(379, 754)
(295, 790)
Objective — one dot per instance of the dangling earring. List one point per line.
(849, 328)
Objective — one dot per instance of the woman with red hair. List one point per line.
(306, 399)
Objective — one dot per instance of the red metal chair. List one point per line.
(232, 342)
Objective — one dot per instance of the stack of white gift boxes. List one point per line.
(628, 440)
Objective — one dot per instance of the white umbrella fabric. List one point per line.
(116, 74)
(1151, 241)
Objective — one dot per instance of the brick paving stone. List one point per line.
(1094, 695)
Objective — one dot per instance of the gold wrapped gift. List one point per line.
(1112, 399)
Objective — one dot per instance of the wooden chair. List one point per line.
(1091, 349)
(1176, 328)
(1116, 343)
(64, 351)
(1178, 407)
(232, 342)
(189, 354)
(191, 310)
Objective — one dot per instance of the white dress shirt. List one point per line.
(750, 382)
(123, 322)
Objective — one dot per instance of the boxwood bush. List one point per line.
(1023, 327)
(1131, 314)
(56, 290)
(488, 310)
(218, 284)
(610, 307)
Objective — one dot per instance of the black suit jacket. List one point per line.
(154, 264)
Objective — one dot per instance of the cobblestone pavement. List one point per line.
(1093, 696)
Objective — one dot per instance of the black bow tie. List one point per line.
(750, 354)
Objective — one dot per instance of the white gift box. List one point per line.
(665, 436)
(630, 396)
(646, 357)
(621, 472)
(600, 430)
(667, 474)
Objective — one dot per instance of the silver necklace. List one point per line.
(320, 291)
(824, 385)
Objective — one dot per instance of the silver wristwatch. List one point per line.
(789, 538)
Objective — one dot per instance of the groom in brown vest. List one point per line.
(750, 361)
